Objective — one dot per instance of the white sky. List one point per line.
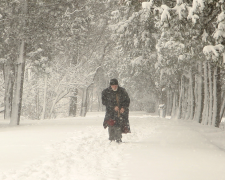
(78, 149)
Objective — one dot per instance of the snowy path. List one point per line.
(78, 149)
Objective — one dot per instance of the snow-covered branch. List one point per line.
(213, 50)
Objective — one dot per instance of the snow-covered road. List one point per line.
(78, 149)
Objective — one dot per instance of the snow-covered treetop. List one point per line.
(219, 34)
(221, 17)
(148, 5)
(184, 11)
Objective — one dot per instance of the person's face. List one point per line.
(114, 87)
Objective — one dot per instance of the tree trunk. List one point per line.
(222, 108)
(84, 103)
(217, 97)
(73, 103)
(88, 98)
(188, 99)
(192, 99)
(169, 102)
(37, 103)
(18, 90)
(181, 98)
(19, 76)
(45, 96)
(174, 106)
(199, 102)
(99, 102)
(210, 94)
(206, 95)
(185, 106)
(8, 78)
(91, 99)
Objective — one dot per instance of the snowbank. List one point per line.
(78, 149)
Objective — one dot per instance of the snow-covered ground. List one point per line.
(78, 149)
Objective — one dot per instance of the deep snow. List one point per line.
(78, 149)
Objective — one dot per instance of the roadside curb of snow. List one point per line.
(213, 135)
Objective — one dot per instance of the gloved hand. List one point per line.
(116, 108)
(122, 110)
(105, 125)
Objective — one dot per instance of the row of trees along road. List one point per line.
(51, 51)
(187, 55)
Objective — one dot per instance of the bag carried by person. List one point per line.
(111, 122)
(124, 126)
(126, 129)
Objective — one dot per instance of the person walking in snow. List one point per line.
(117, 102)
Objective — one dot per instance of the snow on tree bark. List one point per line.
(217, 96)
(190, 112)
(199, 95)
(84, 103)
(9, 81)
(18, 90)
(73, 103)
(214, 95)
(181, 97)
(206, 96)
(175, 107)
(210, 93)
(169, 103)
(45, 96)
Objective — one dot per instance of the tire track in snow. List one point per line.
(86, 155)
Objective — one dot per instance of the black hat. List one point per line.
(113, 82)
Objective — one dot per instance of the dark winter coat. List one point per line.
(109, 100)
